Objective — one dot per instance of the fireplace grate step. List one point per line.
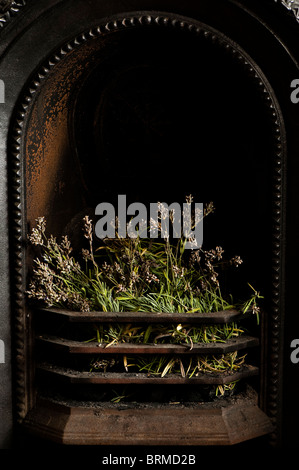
(84, 377)
(223, 316)
(92, 347)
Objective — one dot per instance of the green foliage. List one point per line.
(141, 275)
(129, 274)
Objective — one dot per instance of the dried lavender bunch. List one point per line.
(159, 276)
(136, 274)
(59, 279)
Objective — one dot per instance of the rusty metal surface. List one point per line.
(225, 423)
(53, 187)
(78, 377)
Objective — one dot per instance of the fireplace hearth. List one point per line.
(154, 102)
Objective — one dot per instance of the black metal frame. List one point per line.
(274, 30)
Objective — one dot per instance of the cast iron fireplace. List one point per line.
(154, 102)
